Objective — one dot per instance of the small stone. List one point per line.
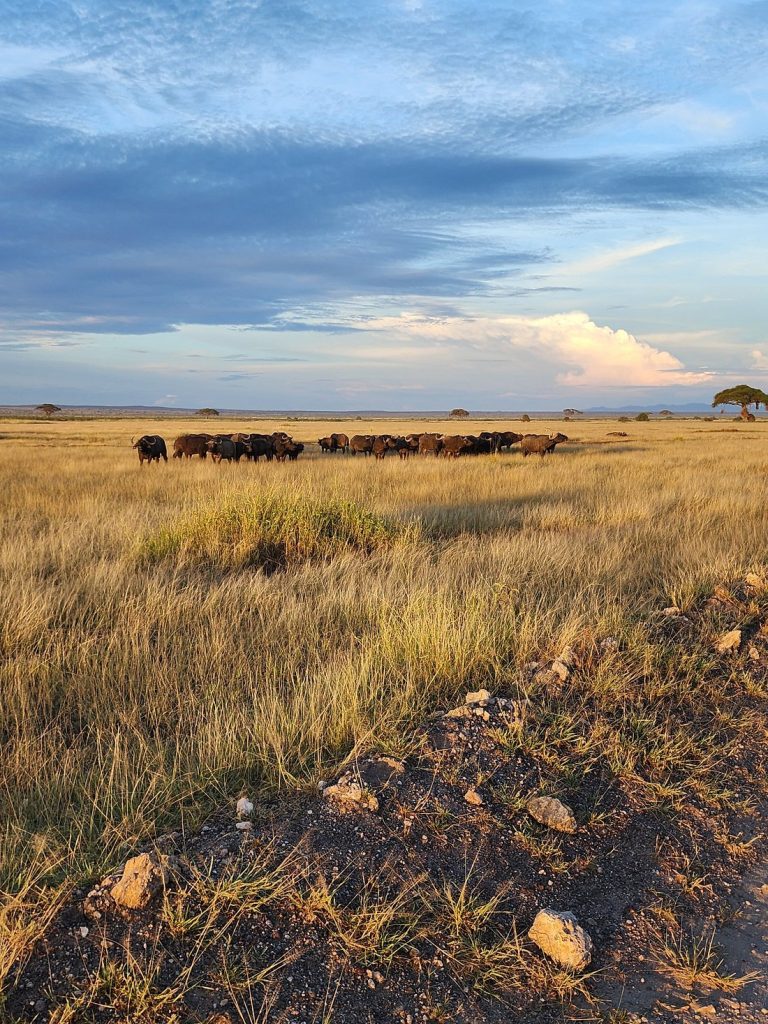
(473, 797)
(561, 670)
(348, 794)
(462, 712)
(754, 653)
(477, 697)
(244, 826)
(244, 808)
(729, 641)
(560, 937)
(142, 879)
(671, 611)
(83, 930)
(549, 811)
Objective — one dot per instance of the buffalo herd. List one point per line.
(280, 446)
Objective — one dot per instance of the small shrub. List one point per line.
(526, 418)
(623, 419)
(642, 417)
(270, 532)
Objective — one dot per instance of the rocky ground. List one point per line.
(584, 844)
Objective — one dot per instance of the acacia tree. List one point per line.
(571, 412)
(666, 413)
(459, 414)
(48, 408)
(207, 412)
(743, 395)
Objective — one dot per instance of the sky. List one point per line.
(396, 204)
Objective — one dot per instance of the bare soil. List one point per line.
(418, 911)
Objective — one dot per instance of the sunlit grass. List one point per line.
(142, 691)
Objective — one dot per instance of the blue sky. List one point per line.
(402, 204)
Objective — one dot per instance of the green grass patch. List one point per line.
(271, 532)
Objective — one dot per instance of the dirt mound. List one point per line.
(404, 889)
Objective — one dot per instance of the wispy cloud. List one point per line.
(262, 164)
(614, 257)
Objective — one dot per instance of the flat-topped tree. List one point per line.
(48, 408)
(666, 413)
(207, 412)
(572, 412)
(743, 395)
(458, 414)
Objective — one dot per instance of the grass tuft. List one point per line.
(270, 531)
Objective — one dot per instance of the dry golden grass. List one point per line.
(139, 692)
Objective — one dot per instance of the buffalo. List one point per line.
(151, 448)
(187, 445)
(342, 442)
(430, 444)
(382, 444)
(287, 448)
(361, 443)
(258, 445)
(223, 449)
(455, 445)
(327, 444)
(541, 444)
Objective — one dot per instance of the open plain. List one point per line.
(176, 636)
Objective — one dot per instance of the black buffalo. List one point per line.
(151, 448)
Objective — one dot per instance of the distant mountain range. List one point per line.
(689, 408)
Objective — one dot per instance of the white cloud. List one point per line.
(759, 359)
(613, 257)
(582, 353)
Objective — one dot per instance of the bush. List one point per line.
(271, 532)
(642, 417)
(526, 418)
(623, 419)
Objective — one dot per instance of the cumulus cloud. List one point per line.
(587, 354)
(759, 359)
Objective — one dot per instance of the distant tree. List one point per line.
(459, 414)
(207, 412)
(623, 419)
(48, 408)
(642, 417)
(743, 395)
(526, 418)
(568, 413)
(666, 413)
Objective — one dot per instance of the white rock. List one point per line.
(244, 808)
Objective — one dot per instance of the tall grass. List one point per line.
(269, 531)
(140, 692)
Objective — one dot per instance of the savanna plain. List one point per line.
(175, 636)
